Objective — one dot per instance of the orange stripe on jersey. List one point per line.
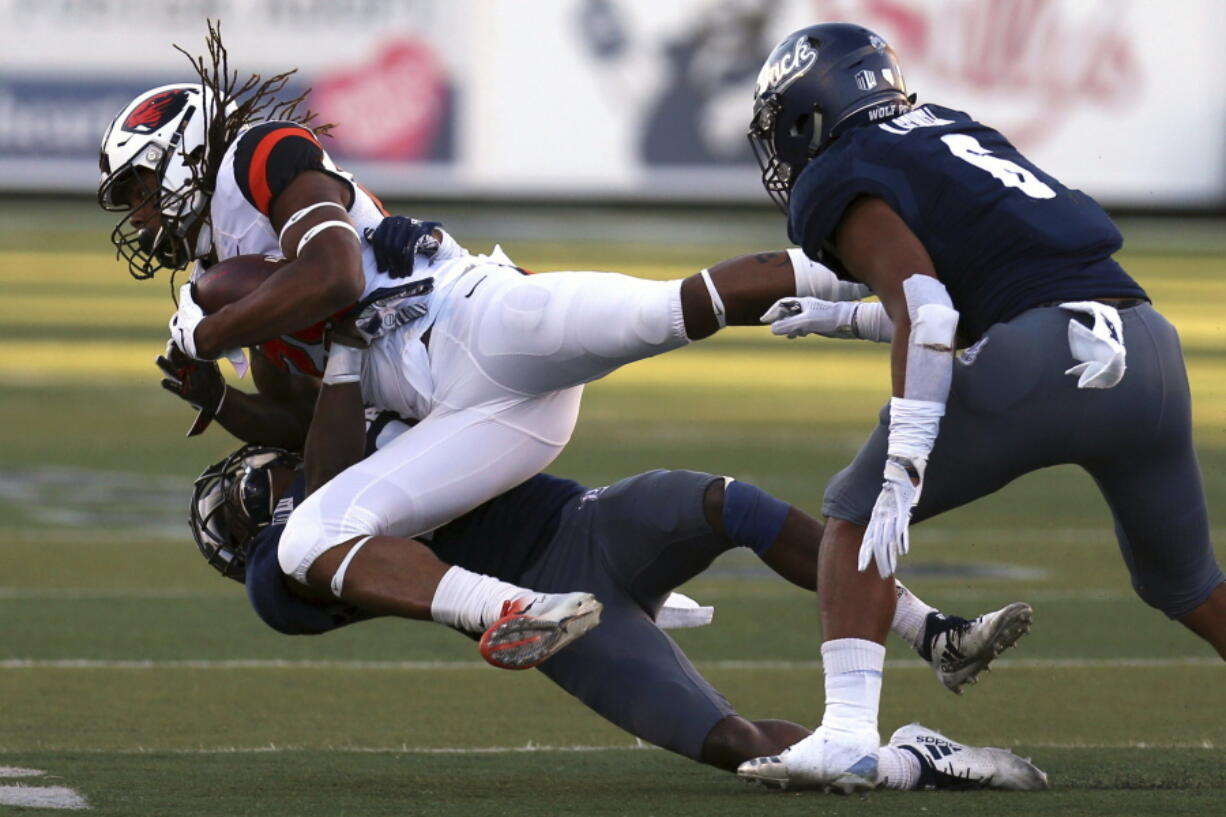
(257, 176)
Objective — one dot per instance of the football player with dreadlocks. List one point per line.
(629, 544)
(966, 242)
(489, 360)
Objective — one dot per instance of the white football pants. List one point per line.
(508, 359)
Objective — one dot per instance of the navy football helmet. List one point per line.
(818, 83)
(232, 501)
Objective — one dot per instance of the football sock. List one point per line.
(852, 667)
(897, 768)
(910, 615)
(752, 517)
(470, 601)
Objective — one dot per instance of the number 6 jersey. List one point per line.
(1003, 235)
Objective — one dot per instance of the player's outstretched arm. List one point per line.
(738, 291)
(325, 274)
(278, 415)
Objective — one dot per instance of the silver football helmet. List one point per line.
(232, 501)
(166, 131)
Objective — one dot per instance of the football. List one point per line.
(231, 280)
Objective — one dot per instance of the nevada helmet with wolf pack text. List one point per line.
(819, 82)
(165, 130)
(232, 501)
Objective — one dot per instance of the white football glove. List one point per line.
(887, 536)
(797, 317)
(184, 322)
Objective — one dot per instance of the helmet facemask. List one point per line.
(232, 501)
(779, 173)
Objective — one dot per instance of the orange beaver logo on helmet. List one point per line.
(156, 111)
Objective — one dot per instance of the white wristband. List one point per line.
(717, 303)
(913, 427)
(870, 322)
(344, 365)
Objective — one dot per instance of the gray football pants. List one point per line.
(631, 544)
(1012, 410)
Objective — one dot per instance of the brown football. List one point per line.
(231, 280)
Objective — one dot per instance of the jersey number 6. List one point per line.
(1010, 174)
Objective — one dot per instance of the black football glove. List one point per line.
(199, 382)
(398, 239)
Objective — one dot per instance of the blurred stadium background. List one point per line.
(581, 134)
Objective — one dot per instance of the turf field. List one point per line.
(134, 676)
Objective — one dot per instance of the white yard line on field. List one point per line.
(751, 665)
(53, 797)
(637, 746)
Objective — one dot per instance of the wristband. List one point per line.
(870, 322)
(913, 427)
(344, 365)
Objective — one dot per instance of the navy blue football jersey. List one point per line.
(1003, 235)
(503, 538)
(266, 590)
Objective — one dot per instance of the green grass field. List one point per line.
(134, 675)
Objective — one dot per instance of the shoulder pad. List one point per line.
(269, 156)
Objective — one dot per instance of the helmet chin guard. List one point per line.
(818, 83)
(165, 131)
(232, 501)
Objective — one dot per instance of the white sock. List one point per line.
(910, 613)
(852, 667)
(470, 601)
(897, 768)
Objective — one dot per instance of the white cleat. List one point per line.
(947, 764)
(844, 765)
(959, 650)
(533, 629)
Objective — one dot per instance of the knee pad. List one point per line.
(752, 517)
(306, 537)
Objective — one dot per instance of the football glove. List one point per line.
(184, 322)
(797, 317)
(398, 240)
(887, 536)
(197, 382)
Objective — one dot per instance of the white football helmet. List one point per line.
(165, 130)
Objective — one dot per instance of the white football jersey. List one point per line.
(257, 166)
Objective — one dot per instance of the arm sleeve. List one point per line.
(270, 156)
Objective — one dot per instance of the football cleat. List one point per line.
(959, 650)
(947, 764)
(531, 630)
(842, 764)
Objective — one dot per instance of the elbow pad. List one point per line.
(930, 347)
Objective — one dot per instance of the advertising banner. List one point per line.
(627, 99)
